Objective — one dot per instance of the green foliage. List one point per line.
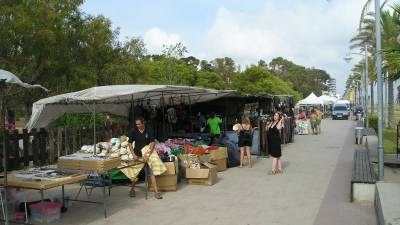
(256, 80)
(55, 44)
(373, 121)
(390, 141)
(75, 120)
(304, 80)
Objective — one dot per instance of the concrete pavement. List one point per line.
(314, 189)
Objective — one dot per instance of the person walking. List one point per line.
(313, 121)
(245, 140)
(274, 144)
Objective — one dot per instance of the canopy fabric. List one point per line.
(116, 99)
(327, 100)
(12, 79)
(312, 99)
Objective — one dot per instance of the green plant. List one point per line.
(373, 122)
(75, 120)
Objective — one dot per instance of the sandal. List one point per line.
(279, 172)
(272, 172)
(158, 195)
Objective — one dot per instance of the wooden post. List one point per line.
(14, 144)
(74, 139)
(7, 152)
(51, 146)
(25, 139)
(35, 147)
(66, 150)
(59, 141)
(43, 146)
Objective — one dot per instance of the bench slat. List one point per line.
(362, 170)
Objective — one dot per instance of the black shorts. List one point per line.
(245, 140)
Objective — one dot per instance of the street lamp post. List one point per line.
(364, 82)
(379, 148)
(366, 86)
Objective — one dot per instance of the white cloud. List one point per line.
(155, 39)
(311, 34)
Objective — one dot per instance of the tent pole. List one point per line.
(3, 132)
(94, 129)
(190, 114)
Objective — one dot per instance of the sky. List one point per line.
(312, 33)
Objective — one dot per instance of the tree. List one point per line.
(304, 80)
(226, 68)
(256, 80)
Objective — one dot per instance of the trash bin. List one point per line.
(359, 134)
(358, 116)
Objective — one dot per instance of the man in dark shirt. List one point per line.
(142, 137)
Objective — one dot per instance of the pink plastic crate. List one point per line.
(45, 212)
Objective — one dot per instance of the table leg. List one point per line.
(63, 208)
(104, 201)
(42, 201)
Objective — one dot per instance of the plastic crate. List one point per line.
(45, 212)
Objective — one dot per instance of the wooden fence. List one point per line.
(41, 147)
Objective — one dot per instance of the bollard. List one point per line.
(359, 134)
(358, 116)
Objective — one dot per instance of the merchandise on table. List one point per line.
(302, 127)
(43, 174)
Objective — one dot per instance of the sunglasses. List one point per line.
(138, 124)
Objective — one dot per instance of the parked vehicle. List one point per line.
(340, 111)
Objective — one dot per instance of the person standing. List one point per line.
(245, 140)
(274, 144)
(141, 137)
(214, 123)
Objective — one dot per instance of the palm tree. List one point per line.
(366, 39)
(389, 42)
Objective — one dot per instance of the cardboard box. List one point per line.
(172, 168)
(220, 153)
(165, 183)
(204, 158)
(206, 175)
(221, 164)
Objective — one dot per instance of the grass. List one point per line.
(389, 141)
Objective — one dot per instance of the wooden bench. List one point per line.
(363, 178)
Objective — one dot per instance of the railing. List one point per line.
(41, 147)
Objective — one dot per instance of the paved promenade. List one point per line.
(314, 189)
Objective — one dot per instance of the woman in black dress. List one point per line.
(274, 144)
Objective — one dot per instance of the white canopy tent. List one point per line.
(115, 99)
(327, 100)
(311, 99)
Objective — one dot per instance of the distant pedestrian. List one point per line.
(274, 143)
(302, 115)
(313, 121)
(245, 140)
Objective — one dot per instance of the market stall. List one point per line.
(5, 79)
(165, 108)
